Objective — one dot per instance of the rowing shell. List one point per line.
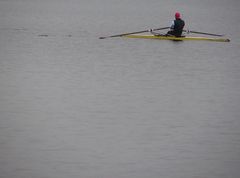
(178, 38)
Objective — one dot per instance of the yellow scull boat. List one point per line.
(189, 38)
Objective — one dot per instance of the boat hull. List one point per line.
(178, 38)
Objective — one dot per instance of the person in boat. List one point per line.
(176, 28)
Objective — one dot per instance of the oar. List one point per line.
(131, 33)
(203, 33)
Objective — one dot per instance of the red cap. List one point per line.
(177, 15)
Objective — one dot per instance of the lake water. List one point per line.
(72, 105)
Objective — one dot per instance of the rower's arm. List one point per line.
(172, 25)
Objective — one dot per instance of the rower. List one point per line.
(176, 26)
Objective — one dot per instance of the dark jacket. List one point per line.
(177, 28)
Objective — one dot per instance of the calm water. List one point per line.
(73, 106)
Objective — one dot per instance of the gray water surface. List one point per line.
(72, 105)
